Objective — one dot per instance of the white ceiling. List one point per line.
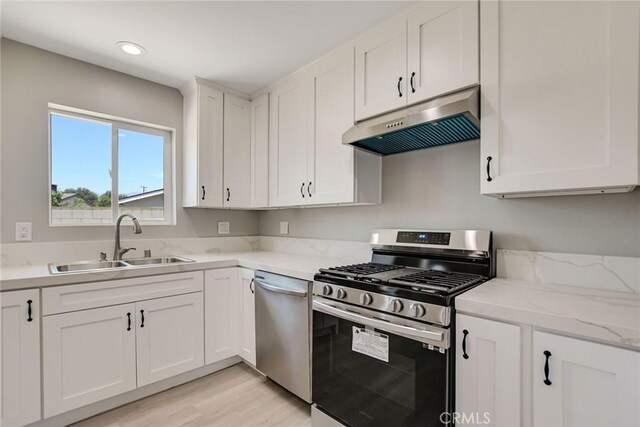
(244, 45)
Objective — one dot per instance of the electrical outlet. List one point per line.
(23, 231)
(284, 227)
(223, 227)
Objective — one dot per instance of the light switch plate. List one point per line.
(23, 231)
(284, 227)
(223, 227)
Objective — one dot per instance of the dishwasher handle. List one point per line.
(276, 289)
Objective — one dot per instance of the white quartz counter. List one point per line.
(602, 315)
(301, 266)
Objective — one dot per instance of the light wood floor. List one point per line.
(236, 396)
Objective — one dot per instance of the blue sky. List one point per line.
(81, 157)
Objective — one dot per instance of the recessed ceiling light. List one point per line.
(131, 48)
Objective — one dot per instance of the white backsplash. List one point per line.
(19, 254)
(620, 274)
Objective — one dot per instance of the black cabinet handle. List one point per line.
(464, 344)
(251, 286)
(489, 168)
(413, 89)
(128, 321)
(228, 194)
(547, 354)
(29, 317)
(203, 192)
(309, 189)
(302, 190)
(142, 315)
(399, 91)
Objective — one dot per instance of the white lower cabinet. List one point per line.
(488, 373)
(221, 308)
(247, 316)
(521, 376)
(88, 356)
(587, 384)
(20, 354)
(170, 337)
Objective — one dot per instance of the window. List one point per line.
(94, 157)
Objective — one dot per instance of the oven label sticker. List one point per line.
(372, 344)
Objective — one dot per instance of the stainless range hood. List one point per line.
(445, 120)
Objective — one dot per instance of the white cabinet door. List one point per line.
(247, 316)
(588, 384)
(260, 151)
(331, 98)
(288, 143)
(20, 358)
(381, 69)
(559, 97)
(170, 336)
(442, 48)
(221, 308)
(237, 152)
(88, 356)
(202, 145)
(210, 146)
(488, 375)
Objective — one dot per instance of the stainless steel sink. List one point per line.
(157, 260)
(85, 266)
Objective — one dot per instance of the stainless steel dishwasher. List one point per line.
(283, 331)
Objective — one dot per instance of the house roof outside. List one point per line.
(141, 196)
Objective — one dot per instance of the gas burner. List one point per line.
(360, 269)
(435, 280)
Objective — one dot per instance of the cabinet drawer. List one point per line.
(62, 299)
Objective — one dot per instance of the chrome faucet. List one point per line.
(118, 251)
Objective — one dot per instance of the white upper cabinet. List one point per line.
(442, 48)
(330, 163)
(288, 142)
(202, 145)
(20, 355)
(237, 152)
(381, 69)
(579, 383)
(260, 151)
(488, 373)
(559, 97)
(430, 50)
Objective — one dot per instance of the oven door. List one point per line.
(368, 371)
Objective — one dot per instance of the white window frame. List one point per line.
(169, 156)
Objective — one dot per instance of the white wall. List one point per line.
(30, 78)
(440, 188)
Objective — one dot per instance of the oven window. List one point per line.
(409, 390)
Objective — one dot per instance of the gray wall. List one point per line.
(30, 78)
(440, 188)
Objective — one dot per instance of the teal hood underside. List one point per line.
(446, 120)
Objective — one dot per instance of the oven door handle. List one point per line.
(422, 335)
(278, 290)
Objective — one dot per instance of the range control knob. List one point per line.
(342, 294)
(366, 298)
(417, 310)
(396, 306)
(326, 290)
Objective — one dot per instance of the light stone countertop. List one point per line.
(601, 315)
(300, 266)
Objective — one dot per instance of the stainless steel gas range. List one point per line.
(382, 331)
